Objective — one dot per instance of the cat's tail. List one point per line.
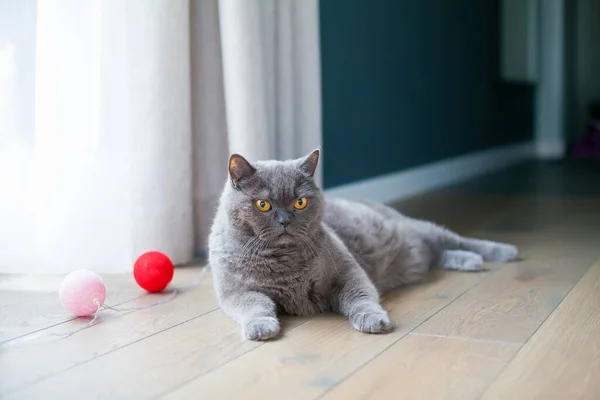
(443, 240)
(450, 245)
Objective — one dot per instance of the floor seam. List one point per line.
(65, 321)
(220, 365)
(469, 339)
(393, 343)
(70, 319)
(534, 332)
(108, 352)
(33, 298)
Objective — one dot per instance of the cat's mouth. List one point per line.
(285, 235)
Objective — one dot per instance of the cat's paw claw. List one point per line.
(375, 322)
(460, 260)
(263, 328)
(474, 263)
(504, 253)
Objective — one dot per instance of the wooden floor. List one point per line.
(525, 330)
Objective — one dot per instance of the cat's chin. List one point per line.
(281, 238)
(285, 238)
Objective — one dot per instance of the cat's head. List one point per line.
(277, 201)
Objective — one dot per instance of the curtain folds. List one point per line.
(127, 113)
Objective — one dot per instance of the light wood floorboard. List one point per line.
(424, 367)
(319, 354)
(562, 359)
(42, 355)
(523, 330)
(512, 303)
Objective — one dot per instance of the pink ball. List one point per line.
(82, 292)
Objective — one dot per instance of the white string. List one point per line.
(67, 334)
(101, 307)
(171, 295)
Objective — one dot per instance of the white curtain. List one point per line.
(117, 119)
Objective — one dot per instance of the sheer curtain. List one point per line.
(117, 119)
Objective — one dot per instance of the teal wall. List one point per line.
(409, 82)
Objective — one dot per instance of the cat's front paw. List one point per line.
(262, 328)
(371, 322)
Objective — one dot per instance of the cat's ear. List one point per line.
(239, 168)
(309, 163)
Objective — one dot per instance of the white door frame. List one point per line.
(550, 137)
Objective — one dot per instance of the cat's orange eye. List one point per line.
(301, 203)
(262, 205)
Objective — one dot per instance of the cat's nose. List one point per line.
(283, 219)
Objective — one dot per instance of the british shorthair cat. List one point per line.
(277, 246)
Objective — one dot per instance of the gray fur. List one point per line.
(337, 256)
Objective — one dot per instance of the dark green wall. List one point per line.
(409, 82)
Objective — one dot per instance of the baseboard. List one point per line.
(399, 185)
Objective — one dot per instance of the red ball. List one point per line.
(153, 271)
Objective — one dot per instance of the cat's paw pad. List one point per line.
(371, 322)
(502, 252)
(263, 328)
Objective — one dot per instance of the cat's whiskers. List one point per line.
(248, 243)
(254, 246)
(327, 248)
(261, 247)
(311, 245)
(305, 242)
(258, 248)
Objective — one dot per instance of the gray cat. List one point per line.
(276, 246)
